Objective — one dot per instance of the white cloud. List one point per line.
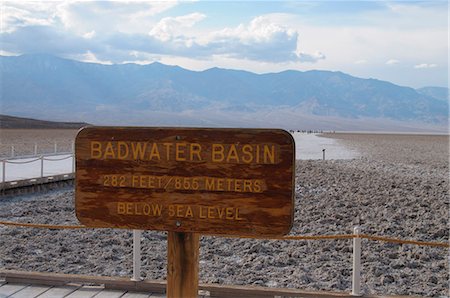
(89, 35)
(170, 28)
(15, 15)
(361, 61)
(92, 58)
(425, 65)
(392, 62)
(263, 40)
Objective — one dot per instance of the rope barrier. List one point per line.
(57, 159)
(46, 226)
(401, 241)
(292, 237)
(21, 162)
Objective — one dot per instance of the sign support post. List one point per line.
(182, 264)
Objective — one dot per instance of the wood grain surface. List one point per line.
(209, 181)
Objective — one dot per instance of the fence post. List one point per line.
(35, 148)
(56, 147)
(42, 166)
(4, 170)
(323, 154)
(356, 278)
(12, 151)
(73, 162)
(136, 255)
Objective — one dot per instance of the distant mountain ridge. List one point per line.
(50, 87)
(11, 122)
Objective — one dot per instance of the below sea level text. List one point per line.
(178, 211)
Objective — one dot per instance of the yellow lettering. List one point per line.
(146, 209)
(179, 151)
(109, 151)
(189, 212)
(257, 153)
(134, 180)
(120, 208)
(232, 154)
(171, 210)
(220, 182)
(156, 208)
(195, 151)
(122, 150)
(221, 212)
(96, 150)
(168, 148)
(211, 212)
(210, 184)
(237, 215)
(217, 153)
(137, 211)
(129, 208)
(154, 152)
(179, 210)
(237, 185)
(229, 211)
(201, 215)
(257, 186)
(247, 153)
(269, 154)
(138, 150)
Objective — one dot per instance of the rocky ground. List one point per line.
(398, 188)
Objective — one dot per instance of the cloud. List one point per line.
(46, 39)
(22, 14)
(260, 40)
(74, 28)
(92, 58)
(392, 62)
(171, 27)
(425, 65)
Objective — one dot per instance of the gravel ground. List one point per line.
(398, 188)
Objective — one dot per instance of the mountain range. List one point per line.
(49, 87)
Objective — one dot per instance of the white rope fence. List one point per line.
(42, 159)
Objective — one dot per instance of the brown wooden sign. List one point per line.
(210, 181)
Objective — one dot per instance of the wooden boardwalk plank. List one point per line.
(136, 295)
(30, 291)
(85, 292)
(59, 291)
(106, 293)
(9, 289)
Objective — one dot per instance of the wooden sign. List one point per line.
(210, 181)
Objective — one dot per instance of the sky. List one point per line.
(405, 42)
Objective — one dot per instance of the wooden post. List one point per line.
(182, 264)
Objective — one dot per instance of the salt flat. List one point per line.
(397, 187)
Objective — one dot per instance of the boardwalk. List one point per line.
(19, 290)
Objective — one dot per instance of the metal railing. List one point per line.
(41, 158)
(356, 236)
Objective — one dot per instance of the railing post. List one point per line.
(136, 255)
(73, 147)
(323, 154)
(12, 151)
(35, 148)
(356, 278)
(4, 170)
(42, 166)
(56, 147)
(73, 162)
